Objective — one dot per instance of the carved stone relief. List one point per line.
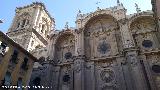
(106, 78)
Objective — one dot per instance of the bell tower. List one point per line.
(31, 26)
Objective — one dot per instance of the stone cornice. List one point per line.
(36, 4)
(151, 51)
(130, 50)
(82, 57)
(104, 58)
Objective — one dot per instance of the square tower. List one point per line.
(31, 26)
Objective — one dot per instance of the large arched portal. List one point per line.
(143, 31)
(100, 36)
(64, 47)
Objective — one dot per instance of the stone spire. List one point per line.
(137, 8)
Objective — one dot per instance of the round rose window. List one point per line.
(103, 47)
(147, 43)
(156, 68)
(66, 78)
(68, 55)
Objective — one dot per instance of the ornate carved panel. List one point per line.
(106, 75)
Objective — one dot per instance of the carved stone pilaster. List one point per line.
(79, 72)
(135, 70)
(46, 73)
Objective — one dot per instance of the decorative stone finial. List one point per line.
(66, 26)
(137, 8)
(98, 8)
(97, 5)
(118, 2)
(79, 11)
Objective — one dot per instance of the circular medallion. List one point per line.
(68, 55)
(147, 43)
(66, 78)
(103, 47)
(156, 68)
(107, 75)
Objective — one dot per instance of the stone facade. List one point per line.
(108, 50)
(16, 64)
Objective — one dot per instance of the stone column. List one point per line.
(51, 48)
(50, 76)
(89, 76)
(149, 74)
(79, 61)
(55, 78)
(79, 72)
(135, 70)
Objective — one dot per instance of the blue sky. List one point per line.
(65, 10)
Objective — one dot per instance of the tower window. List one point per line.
(24, 64)
(43, 28)
(23, 22)
(32, 43)
(18, 25)
(14, 56)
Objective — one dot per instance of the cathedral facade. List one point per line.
(108, 50)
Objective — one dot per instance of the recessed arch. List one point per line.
(98, 32)
(141, 21)
(98, 18)
(64, 44)
(139, 16)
